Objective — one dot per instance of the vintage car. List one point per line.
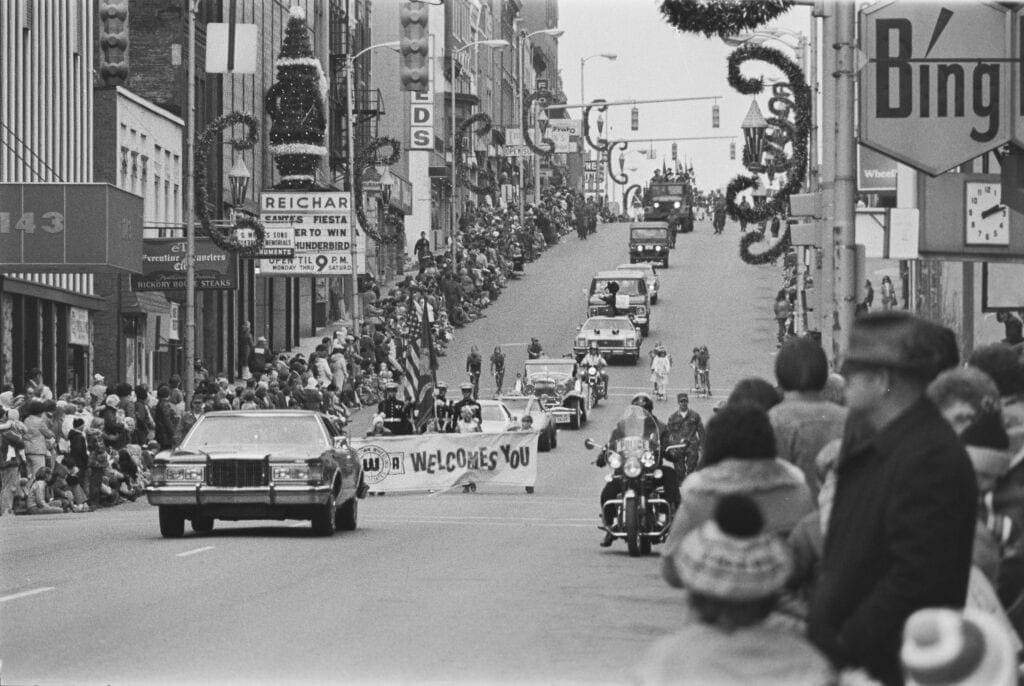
(615, 337)
(555, 382)
(650, 275)
(522, 405)
(495, 417)
(649, 242)
(629, 295)
(258, 464)
(672, 202)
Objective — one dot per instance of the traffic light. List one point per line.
(634, 121)
(714, 116)
(675, 152)
(414, 46)
(732, 151)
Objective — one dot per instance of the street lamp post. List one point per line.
(523, 42)
(583, 96)
(493, 43)
(349, 142)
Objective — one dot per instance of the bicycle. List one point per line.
(702, 382)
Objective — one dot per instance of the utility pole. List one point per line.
(845, 171)
(826, 285)
(190, 201)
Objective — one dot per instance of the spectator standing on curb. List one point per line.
(783, 309)
(902, 525)
(245, 345)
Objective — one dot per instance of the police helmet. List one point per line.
(643, 400)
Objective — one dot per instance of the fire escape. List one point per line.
(347, 38)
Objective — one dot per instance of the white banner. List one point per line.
(435, 461)
(312, 234)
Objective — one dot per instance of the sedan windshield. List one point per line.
(492, 413)
(626, 286)
(219, 433)
(596, 324)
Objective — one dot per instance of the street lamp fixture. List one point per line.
(754, 127)
(491, 43)
(239, 177)
(583, 60)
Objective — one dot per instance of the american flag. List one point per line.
(419, 365)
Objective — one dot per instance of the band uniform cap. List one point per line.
(466, 386)
(895, 340)
(391, 386)
(682, 396)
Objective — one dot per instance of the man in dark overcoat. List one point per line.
(900, 533)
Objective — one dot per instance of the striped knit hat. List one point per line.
(729, 557)
(945, 647)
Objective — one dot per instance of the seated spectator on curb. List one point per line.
(739, 458)
(734, 572)
(37, 501)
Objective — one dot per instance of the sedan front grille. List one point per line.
(237, 473)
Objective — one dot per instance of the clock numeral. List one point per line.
(974, 201)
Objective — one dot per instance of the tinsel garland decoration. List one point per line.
(624, 178)
(226, 241)
(367, 157)
(768, 256)
(461, 172)
(527, 138)
(796, 167)
(721, 18)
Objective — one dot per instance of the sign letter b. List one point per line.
(888, 62)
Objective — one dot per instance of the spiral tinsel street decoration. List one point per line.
(624, 179)
(721, 18)
(226, 240)
(527, 138)
(461, 172)
(768, 256)
(635, 188)
(367, 157)
(602, 144)
(795, 167)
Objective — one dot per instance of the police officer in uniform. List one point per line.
(467, 401)
(395, 411)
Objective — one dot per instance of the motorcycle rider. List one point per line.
(669, 479)
(534, 350)
(686, 426)
(467, 401)
(593, 358)
(395, 412)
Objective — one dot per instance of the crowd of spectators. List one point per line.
(867, 536)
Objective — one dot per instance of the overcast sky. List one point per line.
(657, 61)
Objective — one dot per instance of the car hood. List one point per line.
(596, 299)
(292, 453)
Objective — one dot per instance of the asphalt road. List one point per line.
(449, 588)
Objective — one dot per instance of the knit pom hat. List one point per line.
(946, 647)
(729, 557)
(988, 444)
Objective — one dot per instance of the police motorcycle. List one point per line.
(595, 384)
(642, 515)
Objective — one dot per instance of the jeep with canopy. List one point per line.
(649, 242)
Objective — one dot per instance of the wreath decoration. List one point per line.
(461, 175)
(721, 18)
(226, 240)
(601, 145)
(368, 156)
(768, 256)
(796, 133)
(527, 106)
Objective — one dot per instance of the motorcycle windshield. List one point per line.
(637, 431)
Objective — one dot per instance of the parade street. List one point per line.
(443, 587)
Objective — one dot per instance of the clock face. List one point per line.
(986, 217)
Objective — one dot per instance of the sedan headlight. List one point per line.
(614, 460)
(632, 468)
(647, 459)
(657, 204)
(297, 472)
(178, 473)
(581, 340)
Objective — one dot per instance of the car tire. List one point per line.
(347, 517)
(172, 522)
(544, 442)
(574, 421)
(325, 516)
(635, 360)
(529, 489)
(654, 299)
(665, 262)
(645, 330)
(554, 439)
(202, 525)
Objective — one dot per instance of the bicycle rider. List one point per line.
(701, 363)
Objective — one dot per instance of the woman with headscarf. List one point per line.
(39, 437)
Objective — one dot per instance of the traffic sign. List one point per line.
(936, 91)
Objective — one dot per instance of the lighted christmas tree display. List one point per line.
(296, 103)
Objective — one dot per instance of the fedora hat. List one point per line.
(897, 340)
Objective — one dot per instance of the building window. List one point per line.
(124, 167)
(156, 199)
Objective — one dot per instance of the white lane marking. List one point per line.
(25, 594)
(525, 525)
(193, 552)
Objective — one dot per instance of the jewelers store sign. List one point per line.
(321, 227)
(163, 266)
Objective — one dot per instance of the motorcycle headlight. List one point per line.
(647, 459)
(676, 204)
(614, 460)
(591, 370)
(658, 474)
(657, 204)
(178, 473)
(632, 468)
